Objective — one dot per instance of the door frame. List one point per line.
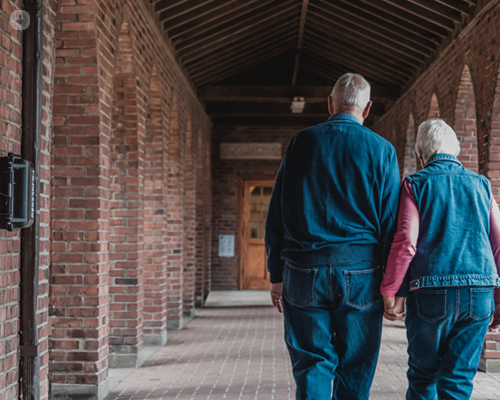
(243, 182)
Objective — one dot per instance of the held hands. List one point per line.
(276, 296)
(394, 308)
(495, 322)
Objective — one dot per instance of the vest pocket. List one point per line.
(298, 285)
(431, 304)
(481, 303)
(363, 287)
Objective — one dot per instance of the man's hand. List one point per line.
(394, 308)
(495, 322)
(276, 296)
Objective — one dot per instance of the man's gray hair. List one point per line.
(351, 93)
(436, 136)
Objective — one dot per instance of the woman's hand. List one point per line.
(276, 296)
(394, 308)
(495, 322)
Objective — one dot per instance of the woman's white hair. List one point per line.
(351, 93)
(436, 136)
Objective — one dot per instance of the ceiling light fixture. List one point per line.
(298, 104)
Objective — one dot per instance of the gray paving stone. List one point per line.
(239, 354)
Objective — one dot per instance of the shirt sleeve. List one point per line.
(495, 239)
(405, 243)
(274, 239)
(389, 210)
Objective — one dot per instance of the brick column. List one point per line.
(207, 284)
(175, 225)
(155, 220)
(79, 268)
(465, 122)
(189, 221)
(410, 156)
(200, 251)
(126, 213)
(434, 107)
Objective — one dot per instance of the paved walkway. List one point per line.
(238, 353)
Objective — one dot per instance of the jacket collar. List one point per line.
(443, 157)
(343, 117)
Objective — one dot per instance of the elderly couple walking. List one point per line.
(346, 245)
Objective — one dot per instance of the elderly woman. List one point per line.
(447, 252)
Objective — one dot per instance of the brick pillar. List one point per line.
(79, 269)
(489, 156)
(434, 107)
(189, 221)
(207, 179)
(200, 251)
(410, 157)
(155, 220)
(175, 224)
(126, 214)
(465, 122)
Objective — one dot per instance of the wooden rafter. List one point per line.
(366, 40)
(216, 20)
(234, 33)
(247, 21)
(241, 47)
(389, 10)
(460, 6)
(419, 12)
(163, 5)
(435, 12)
(389, 27)
(302, 24)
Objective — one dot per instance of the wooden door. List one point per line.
(255, 202)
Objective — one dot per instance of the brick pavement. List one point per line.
(238, 353)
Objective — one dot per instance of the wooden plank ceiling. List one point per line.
(249, 58)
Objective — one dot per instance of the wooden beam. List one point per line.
(302, 24)
(364, 42)
(246, 21)
(220, 39)
(214, 20)
(358, 61)
(355, 64)
(460, 6)
(357, 34)
(248, 75)
(163, 5)
(247, 45)
(429, 9)
(284, 94)
(419, 12)
(231, 69)
(190, 10)
(181, 7)
(385, 32)
(344, 49)
(391, 11)
(255, 53)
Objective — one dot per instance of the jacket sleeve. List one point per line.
(274, 238)
(390, 201)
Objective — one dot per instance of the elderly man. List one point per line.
(331, 220)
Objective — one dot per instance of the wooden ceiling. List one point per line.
(294, 46)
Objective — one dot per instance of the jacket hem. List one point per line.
(455, 280)
(332, 255)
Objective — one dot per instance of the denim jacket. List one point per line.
(453, 247)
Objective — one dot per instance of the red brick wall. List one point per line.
(478, 48)
(225, 177)
(117, 227)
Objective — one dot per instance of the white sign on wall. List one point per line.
(226, 245)
(250, 151)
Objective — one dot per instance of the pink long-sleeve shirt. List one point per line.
(404, 244)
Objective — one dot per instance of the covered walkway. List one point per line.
(238, 353)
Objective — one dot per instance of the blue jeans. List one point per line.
(333, 324)
(446, 327)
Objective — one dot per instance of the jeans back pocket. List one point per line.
(431, 304)
(481, 303)
(363, 287)
(298, 285)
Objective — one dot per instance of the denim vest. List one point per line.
(453, 247)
